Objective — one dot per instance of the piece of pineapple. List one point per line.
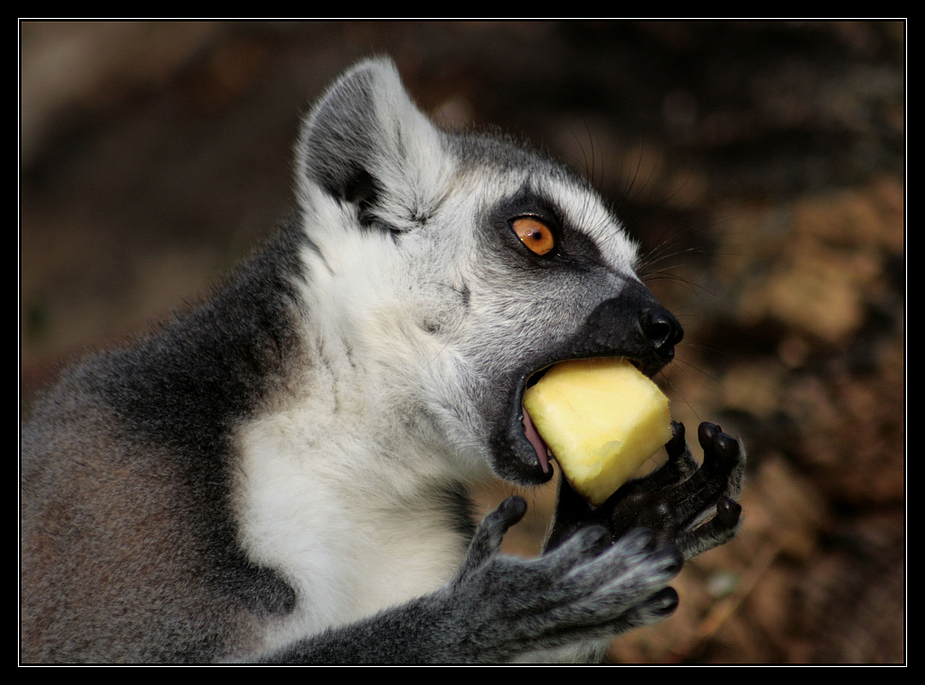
(601, 419)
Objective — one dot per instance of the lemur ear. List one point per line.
(367, 143)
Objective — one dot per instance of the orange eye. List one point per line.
(534, 234)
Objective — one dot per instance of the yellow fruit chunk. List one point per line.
(601, 419)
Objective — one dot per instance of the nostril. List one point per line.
(661, 328)
(659, 334)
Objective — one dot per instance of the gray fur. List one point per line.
(281, 472)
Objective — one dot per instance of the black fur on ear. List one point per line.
(367, 144)
(339, 138)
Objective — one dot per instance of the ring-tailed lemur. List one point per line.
(280, 473)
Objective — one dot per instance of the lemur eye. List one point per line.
(535, 234)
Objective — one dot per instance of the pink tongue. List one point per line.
(539, 445)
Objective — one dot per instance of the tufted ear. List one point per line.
(367, 144)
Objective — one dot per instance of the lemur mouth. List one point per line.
(543, 453)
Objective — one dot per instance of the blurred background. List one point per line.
(761, 165)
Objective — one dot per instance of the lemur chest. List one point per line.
(337, 533)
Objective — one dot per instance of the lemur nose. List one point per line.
(660, 327)
(633, 325)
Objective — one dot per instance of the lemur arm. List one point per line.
(604, 571)
(500, 606)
